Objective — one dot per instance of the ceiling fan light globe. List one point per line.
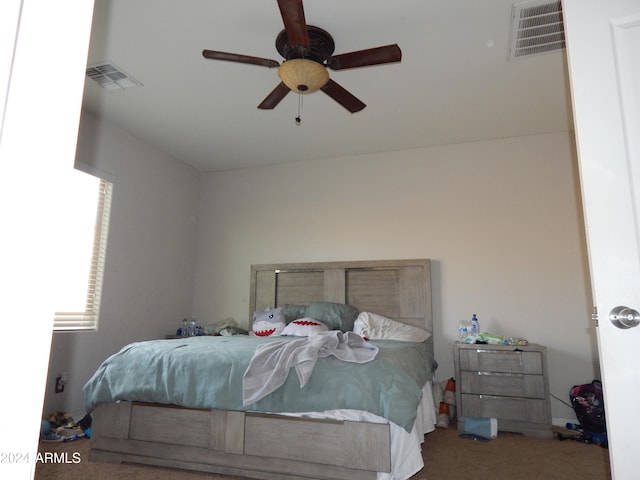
(302, 75)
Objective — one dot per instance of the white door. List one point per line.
(43, 54)
(603, 48)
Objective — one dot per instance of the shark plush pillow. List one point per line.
(269, 322)
(304, 327)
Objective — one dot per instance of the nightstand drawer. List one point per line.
(504, 384)
(505, 408)
(507, 361)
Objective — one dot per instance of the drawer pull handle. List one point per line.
(517, 351)
(501, 374)
(488, 350)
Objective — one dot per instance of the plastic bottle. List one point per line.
(192, 328)
(185, 328)
(475, 326)
(462, 331)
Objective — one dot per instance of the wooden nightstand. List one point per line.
(506, 382)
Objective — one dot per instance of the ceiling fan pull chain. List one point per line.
(298, 119)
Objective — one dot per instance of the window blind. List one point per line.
(87, 318)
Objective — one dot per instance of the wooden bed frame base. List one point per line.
(268, 446)
(237, 443)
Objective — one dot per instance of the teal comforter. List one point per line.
(206, 372)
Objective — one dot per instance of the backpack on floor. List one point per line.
(588, 404)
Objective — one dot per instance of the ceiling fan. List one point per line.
(308, 52)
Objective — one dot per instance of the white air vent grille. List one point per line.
(111, 77)
(537, 28)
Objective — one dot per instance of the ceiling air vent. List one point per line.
(537, 28)
(111, 77)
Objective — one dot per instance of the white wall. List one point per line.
(501, 221)
(148, 281)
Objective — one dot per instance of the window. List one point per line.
(83, 227)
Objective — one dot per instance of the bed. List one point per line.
(328, 444)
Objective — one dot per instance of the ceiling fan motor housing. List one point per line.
(321, 46)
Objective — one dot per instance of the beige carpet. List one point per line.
(447, 457)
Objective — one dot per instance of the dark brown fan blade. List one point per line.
(295, 25)
(363, 58)
(342, 96)
(274, 98)
(235, 57)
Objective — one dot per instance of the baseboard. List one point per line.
(562, 422)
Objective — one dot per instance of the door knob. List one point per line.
(624, 317)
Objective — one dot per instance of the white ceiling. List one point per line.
(454, 84)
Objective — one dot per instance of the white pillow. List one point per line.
(303, 327)
(376, 327)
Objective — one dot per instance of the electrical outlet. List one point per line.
(59, 385)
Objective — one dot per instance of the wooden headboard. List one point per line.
(398, 289)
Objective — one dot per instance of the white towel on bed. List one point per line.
(269, 367)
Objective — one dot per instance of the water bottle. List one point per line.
(462, 331)
(185, 328)
(475, 326)
(192, 328)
